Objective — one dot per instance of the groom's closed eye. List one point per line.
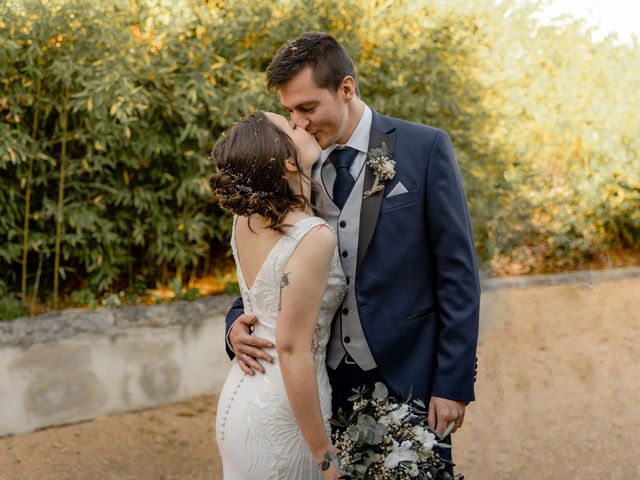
(304, 108)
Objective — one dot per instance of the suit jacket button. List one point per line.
(345, 311)
(347, 339)
(345, 254)
(343, 223)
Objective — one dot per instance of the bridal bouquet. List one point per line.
(386, 439)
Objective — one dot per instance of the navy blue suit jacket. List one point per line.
(417, 282)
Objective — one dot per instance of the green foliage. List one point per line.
(229, 282)
(179, 293)
(569, 107)
(10, 306)
(145, 98)
(108, 111)
(85, 297)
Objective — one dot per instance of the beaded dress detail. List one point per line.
(256, 431)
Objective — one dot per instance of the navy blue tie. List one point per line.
(342, 160)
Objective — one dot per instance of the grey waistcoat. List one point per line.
(346, 334)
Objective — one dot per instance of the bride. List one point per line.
(275, 426)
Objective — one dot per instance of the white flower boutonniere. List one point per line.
(383, 168)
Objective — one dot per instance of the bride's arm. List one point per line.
(301, 289)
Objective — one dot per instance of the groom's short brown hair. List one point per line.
(329, 61)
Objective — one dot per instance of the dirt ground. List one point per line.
(557, 398)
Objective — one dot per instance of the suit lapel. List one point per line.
(381, 131)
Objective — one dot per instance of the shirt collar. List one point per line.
(359, 138)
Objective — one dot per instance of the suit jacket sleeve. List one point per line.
(457, 284)
(237, 309)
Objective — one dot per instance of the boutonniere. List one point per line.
(383, 168)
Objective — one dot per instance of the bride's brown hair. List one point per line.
(250, 179)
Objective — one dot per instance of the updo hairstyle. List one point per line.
(250, 179)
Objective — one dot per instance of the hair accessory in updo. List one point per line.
(237, 195)
(251, 177)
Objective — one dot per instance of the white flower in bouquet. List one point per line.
(395, 416)
(400, 453)
(425, 437)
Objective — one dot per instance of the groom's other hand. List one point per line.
(443, 412)
(247, 347)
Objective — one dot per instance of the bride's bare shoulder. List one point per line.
(319, 240)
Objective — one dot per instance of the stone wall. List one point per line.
(74, 365)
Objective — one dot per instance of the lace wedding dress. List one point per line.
(257, 434)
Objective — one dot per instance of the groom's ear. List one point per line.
(347, 88)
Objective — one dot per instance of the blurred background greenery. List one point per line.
(108, 111)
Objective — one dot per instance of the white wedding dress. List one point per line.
(258, 437)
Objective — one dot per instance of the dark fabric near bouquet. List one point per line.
(344, 379)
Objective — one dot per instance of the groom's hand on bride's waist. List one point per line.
(247, 347)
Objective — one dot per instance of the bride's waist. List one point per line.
(271, 380)
(268, 332)
(275, 367)
(264, 331)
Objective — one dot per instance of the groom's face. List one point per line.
(320, 111)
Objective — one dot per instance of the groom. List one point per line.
(410, 316)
